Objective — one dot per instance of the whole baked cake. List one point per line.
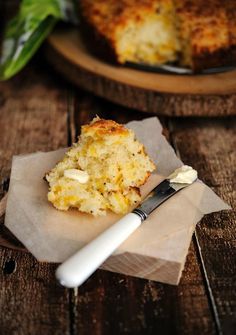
(190, 33)
(102, 171)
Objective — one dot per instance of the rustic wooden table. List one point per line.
(41, 111)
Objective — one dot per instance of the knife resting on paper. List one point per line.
(74, 271)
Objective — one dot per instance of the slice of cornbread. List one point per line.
(134, 31)
(204, 33)
(103, 171)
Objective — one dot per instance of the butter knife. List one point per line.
(79, 267)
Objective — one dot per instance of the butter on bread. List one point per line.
(116, 164)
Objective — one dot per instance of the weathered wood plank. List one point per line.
(108, 301)
(210, 146)
(33, 110)
(30, 300)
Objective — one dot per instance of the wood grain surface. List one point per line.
(43, 115)
(213, 153)
(41, 111)
(31, 115)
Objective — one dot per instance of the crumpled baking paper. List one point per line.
(157, 250)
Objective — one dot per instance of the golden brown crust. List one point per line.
(146, 178)
(104, 127)
(107, 16)
(97, 43)
(101, 19)
(207, 30)
(116, 165)
(230, 8)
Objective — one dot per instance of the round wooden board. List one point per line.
(164, 94)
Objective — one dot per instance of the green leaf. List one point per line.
(26, 32)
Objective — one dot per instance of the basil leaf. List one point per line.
(26, 32)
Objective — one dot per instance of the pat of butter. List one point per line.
(76, 174)
(183, 175)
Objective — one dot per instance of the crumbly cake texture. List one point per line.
(116, 163)
(135, 31)
(190, 33)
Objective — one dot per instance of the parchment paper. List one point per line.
(53, 235)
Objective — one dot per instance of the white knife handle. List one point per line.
(74, 271)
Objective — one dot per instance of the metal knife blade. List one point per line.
(158, 195)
